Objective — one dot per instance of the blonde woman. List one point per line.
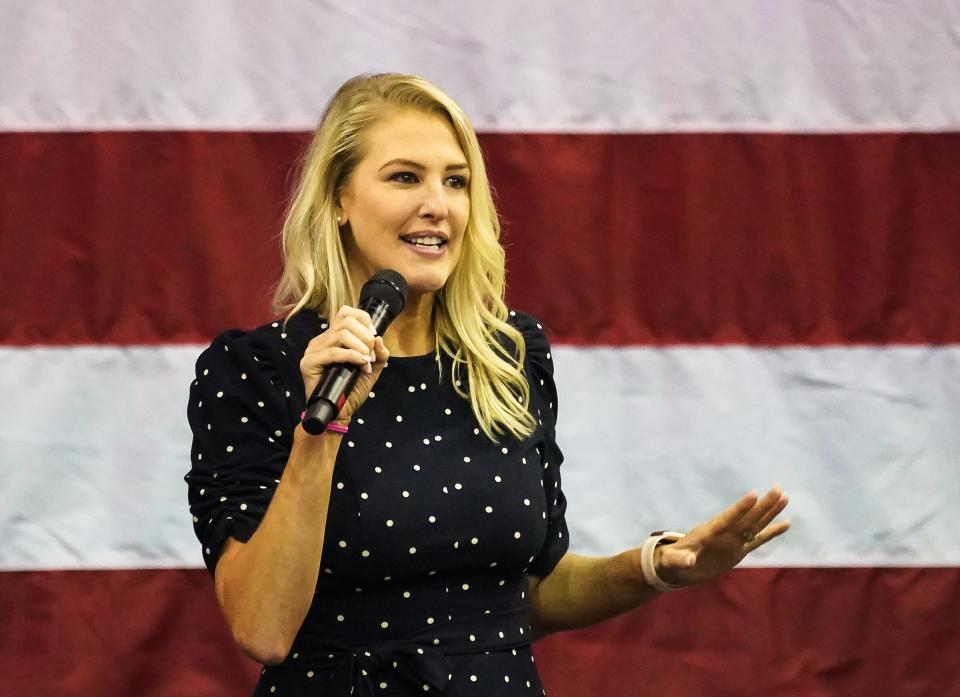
(419, 545)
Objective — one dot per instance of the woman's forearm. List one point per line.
(265, 586)
(582, 591)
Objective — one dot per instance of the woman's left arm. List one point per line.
(581, 591)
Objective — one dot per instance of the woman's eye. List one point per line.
(404, 177)
(457, 182)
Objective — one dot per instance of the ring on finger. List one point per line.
(748, 536)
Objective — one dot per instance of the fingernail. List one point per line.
(373, 356)
(373, 330)
(367, 369)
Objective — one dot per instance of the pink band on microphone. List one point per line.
(336, 428)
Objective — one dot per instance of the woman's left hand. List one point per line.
(715, 547)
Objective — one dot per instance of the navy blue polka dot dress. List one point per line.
(432, 528)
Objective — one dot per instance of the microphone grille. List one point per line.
(387, 286)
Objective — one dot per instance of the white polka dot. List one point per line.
(383, 685)
(458, 486)
(411, 389)
(416, 468)
(309, 673)
(413, 550)
(339, 485)
(432, 519)
(202, 491)
(389, 523)
(516, 535)
(456, 545)
(206, 371)
(243, 506)
(229, 448)
(506, 678)
(377, 469)
(447, 412)
(243, 376)
(465, 586)
(273, 688)
(260, 404)
(365, 553)
(277, 434)
(489, 509)
(476, 431)
(474, 540)
(406, 594)
(372, 394)
(504, 451)
(219, 394)
(207, 550)
(423, 385)
(399, 418)
(388, 444)
(406, 494)
(360, 421)
(222, 499)
(430, 620)
(244, 419)
(437, 438)
(384, 624)
(466, 458)
(473, 678)
(497, 479)
(501, 636)
(446, 490)
(526, 502)
(340, 618)
(473, 638)
(343, 544)
(426, 441)
(363, 495)
(350, 443)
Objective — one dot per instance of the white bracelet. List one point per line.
(646, 560)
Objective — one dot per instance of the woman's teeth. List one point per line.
(426, 241)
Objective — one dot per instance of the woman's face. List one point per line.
(407, 201)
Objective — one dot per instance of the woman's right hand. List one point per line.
(349, 338)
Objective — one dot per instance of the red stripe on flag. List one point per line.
(157, 237)
(786, 632)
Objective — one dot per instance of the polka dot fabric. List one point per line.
(432, 528)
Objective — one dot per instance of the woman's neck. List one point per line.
(412, 333)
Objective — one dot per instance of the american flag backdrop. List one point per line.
(738, 220)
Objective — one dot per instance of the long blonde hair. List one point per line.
(469, 314)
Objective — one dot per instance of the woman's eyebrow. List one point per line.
(417, 165)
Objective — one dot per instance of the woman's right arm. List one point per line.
(265, 586)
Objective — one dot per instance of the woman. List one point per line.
(419, 544)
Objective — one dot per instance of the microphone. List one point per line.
(382, 297)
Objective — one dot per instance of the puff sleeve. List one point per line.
(538, 366)
(242, 412)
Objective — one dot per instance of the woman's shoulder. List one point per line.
(272, 350)
(534, 335)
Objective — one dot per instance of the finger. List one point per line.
(771, 513)
(768, 534)
(362, 331)
(319, 360)
(347, 339)
(730, 518)
(356, 313)
(753, 520)
(380, 351)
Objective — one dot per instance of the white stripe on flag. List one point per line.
(698, 65)
(94, 445)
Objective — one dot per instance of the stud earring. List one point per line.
(339, 220)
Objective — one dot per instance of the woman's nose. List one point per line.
(434, 204)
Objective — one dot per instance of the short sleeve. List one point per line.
(538, 365)
(242, 414)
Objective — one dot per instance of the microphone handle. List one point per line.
(338, 380)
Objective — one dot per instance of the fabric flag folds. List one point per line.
(737, 222)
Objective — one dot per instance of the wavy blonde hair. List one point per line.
(469, 314)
